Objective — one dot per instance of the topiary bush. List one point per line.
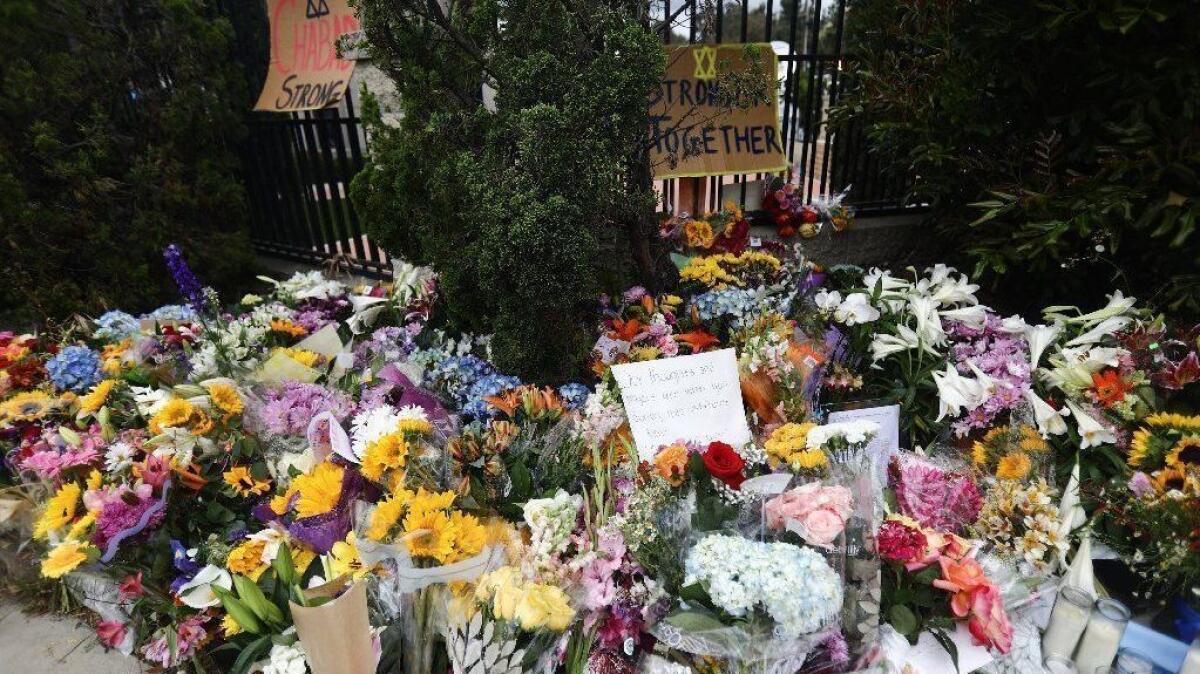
(120, 121)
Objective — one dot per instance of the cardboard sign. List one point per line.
(684, 114)
(305, 71)
(694, 397)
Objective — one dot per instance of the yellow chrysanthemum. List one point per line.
(177, 412)
(1139, 447)
(429, 534)
(287, 327)
(469, 536)
(386, 453)
(95, 399)
(26, 406)
(1185, 454)
(698, 234)
(387, 514)
(246, 559)
(244, 482)
(979, 454)
(226, 398)
(809, 459)
(64, 559)
(303, 356)
(60, 510)
(787, 445)
(344, 559)
(1014, 466)
(319, 490)
(410, 425)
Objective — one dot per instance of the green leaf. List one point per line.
(694, 621)
(904, 620)
(947, 643)
(250, 655)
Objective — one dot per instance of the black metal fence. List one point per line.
(299, 165)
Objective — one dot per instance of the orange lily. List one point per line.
(626, 331)
(698, 339)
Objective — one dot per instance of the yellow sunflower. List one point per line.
(303, 356)
(1014, 466)
(287, 327)
(1182, 422)
(64, 559)
(226, 398)
(388, 452)
(174, 413)
(1185, 454)
(429, 534)
(1139, 447)
(60, 510)
(244, 482)
(320, 490)
(95, 399)
(26, 406)
(387, 514)
(469, 535)
(1170, 479)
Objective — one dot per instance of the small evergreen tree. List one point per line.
(118, 120)
(530, 209)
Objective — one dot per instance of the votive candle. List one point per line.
(1057, 664)
(1103, 635)
(1067, 622)
(1191, 663)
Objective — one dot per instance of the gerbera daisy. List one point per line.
(1109, 388)
(319, 491)
(64, 559)
(59, 512)
(27, 406)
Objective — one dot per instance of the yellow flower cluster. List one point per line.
(429, 527)
(698, 234)
(787, 446)
(303, 356)
(95, 399)
(1010, 453)
(315, 493)
(226, 398)
(718, 271)
(389, 452)
(179, 413)
(533, 606)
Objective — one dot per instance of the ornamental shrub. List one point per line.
(528, 208)
(119, 124)
(1057, 142)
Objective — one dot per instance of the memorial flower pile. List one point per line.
(215, 465)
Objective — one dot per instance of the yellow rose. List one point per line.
(544, 606)
(506, 598)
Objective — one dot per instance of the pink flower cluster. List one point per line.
(937, 498)
(1000, 354)
(815, 512)
(189, 635)
(49, 455)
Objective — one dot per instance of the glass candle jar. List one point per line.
(1103, 635)
(1133, 662)
(1067, 622)
(1191, 663)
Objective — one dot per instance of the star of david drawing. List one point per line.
(706, 63)
(315, 8)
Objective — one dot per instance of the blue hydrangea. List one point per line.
(75, 368)
(115, 325)
(172, 312)
(574, 395)
(488, 385)
(454, 376)
(740, 304)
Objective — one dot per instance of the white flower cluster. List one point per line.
(370, 425)
(308, 285)
(603, 413)
(235, 347)
(792, 585)
(286, 660)
(551, 521)
(849, 433)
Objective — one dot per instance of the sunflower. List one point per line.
(1032, 441)
(1139, 447)
(244, 483)
(1170, 479)
(27, 406)
(303, 356)
(1014, 466)
(1172, 420)
(414, 425)
(226, 398)
(64, 559)
(95, 399)
(286, 327)
(175, 412)
(59, 512)
(469, 537)
(319, 491)
(388, 452)
(1185, 454)
(387, 514)
(430, 534)
(112, 356)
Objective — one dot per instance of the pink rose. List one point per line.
(816, 512)
(821, 527)
(989, 624)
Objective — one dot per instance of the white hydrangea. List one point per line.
(286, 660)
(793, 585)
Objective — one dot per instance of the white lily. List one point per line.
(973, 316)
(955, 392)
(884, 345)
(1039, 338)
(197, 592)
(929, 324)
(950, 291)
(1101, 330)
(1014, 325)
(1118, 305)
(1091, 432)
(1049, 420)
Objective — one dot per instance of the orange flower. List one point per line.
(287, 327)
(698, 339)
(671, 463)
(625, 331)
(960, 578)
(1109, 387)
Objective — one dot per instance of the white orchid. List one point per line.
(1049, 420)
(856, 309)
(827, 301)
(198, 592)
(1091, 432)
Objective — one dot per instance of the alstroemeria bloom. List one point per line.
(1091, 432)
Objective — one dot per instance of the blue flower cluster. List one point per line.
(488, 385)
(75, 368)
(574, 395)
(115, 325)
(172, 312)
(741, 304)
(454, 376)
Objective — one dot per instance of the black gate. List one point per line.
(299, 165)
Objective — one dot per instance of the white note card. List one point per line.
(695, 397)
(887, 441)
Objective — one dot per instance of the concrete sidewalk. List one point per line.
(49, 644)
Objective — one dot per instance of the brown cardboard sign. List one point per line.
(683, 113)
(305, 71)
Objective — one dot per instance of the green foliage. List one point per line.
(529, 210)
(1058, 142)
(119, 123)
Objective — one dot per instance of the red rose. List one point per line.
(724, 464)
(809, 215)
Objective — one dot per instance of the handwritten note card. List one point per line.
(684, 398)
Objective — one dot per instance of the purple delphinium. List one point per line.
(189, 286)
(1001, 355)
(286, 410)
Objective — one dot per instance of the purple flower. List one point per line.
(1139, 484)
(189, 286)
(121, 514)
(288, 409)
